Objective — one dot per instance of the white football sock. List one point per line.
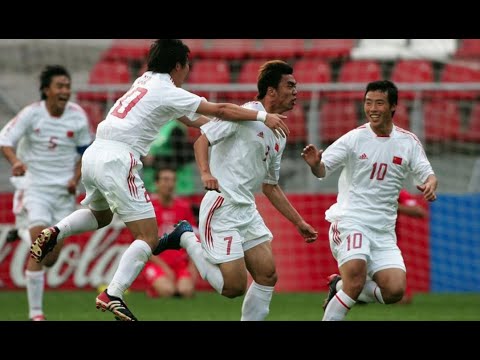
(256, 304)
(207, 270)
(371, 293)
(79, 221)
(35, 288)
(338, 307)
(131, 264)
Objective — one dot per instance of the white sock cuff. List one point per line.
(264, 288)
(142, 245)
(34, 274)
(187, 238)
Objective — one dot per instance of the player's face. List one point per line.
(377, 109)
(286, 93)
(166, 183)
(59, 91)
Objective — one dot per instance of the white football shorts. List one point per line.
(378, 248)
(228, 230)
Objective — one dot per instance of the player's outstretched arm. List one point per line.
(232, 112)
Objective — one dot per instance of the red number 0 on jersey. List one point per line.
(128, 101)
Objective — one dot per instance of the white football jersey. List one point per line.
(244, 154)
(374, 170)
(47, 144)
(137, 116)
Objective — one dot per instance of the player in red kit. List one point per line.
(171, 272)
(408, 205)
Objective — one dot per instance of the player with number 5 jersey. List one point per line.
(377, 158)
(111, 165)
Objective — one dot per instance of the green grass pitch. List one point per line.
(209, 306)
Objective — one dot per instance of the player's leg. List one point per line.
(79, 221)
(350, 245)
(115, 175)
(39, 210)
(387, 267)
(261, 265)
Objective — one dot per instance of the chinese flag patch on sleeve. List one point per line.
(70, 134)
(397, 160)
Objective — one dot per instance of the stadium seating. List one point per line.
(402, 117)
(296, 122)
(459, 73)
(248, 75)
(206, 71)
(307, 71)
(337, 118)
(107, 72)
(128, 49)
(468, 49)
(412, 71)
(231, 49)
(442, 120)
(95, 112)
(198, 48)
(328, 48)
(356, 71)
(280, 48)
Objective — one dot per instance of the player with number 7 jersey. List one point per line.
(111, 165)
(376, 157)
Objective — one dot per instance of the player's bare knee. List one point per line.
(234, 290)
(268, 279)
(392, 295)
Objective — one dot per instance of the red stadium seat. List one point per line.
(328, 48)
(95, 112)
(208, 71)
(198, 48)
(107, 73)
(248, 75)
(128, 49)
(468, 49)
(357, 71)
(402, 117)
(296, 122)
(442, 120)
(307, 71)
(412, 71)
(459, 73)
(337, 118)
(231, 49)
(280, 48)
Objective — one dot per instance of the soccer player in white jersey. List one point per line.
(110, 166)
(244, 158)
(54, 133)
(376, 158)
